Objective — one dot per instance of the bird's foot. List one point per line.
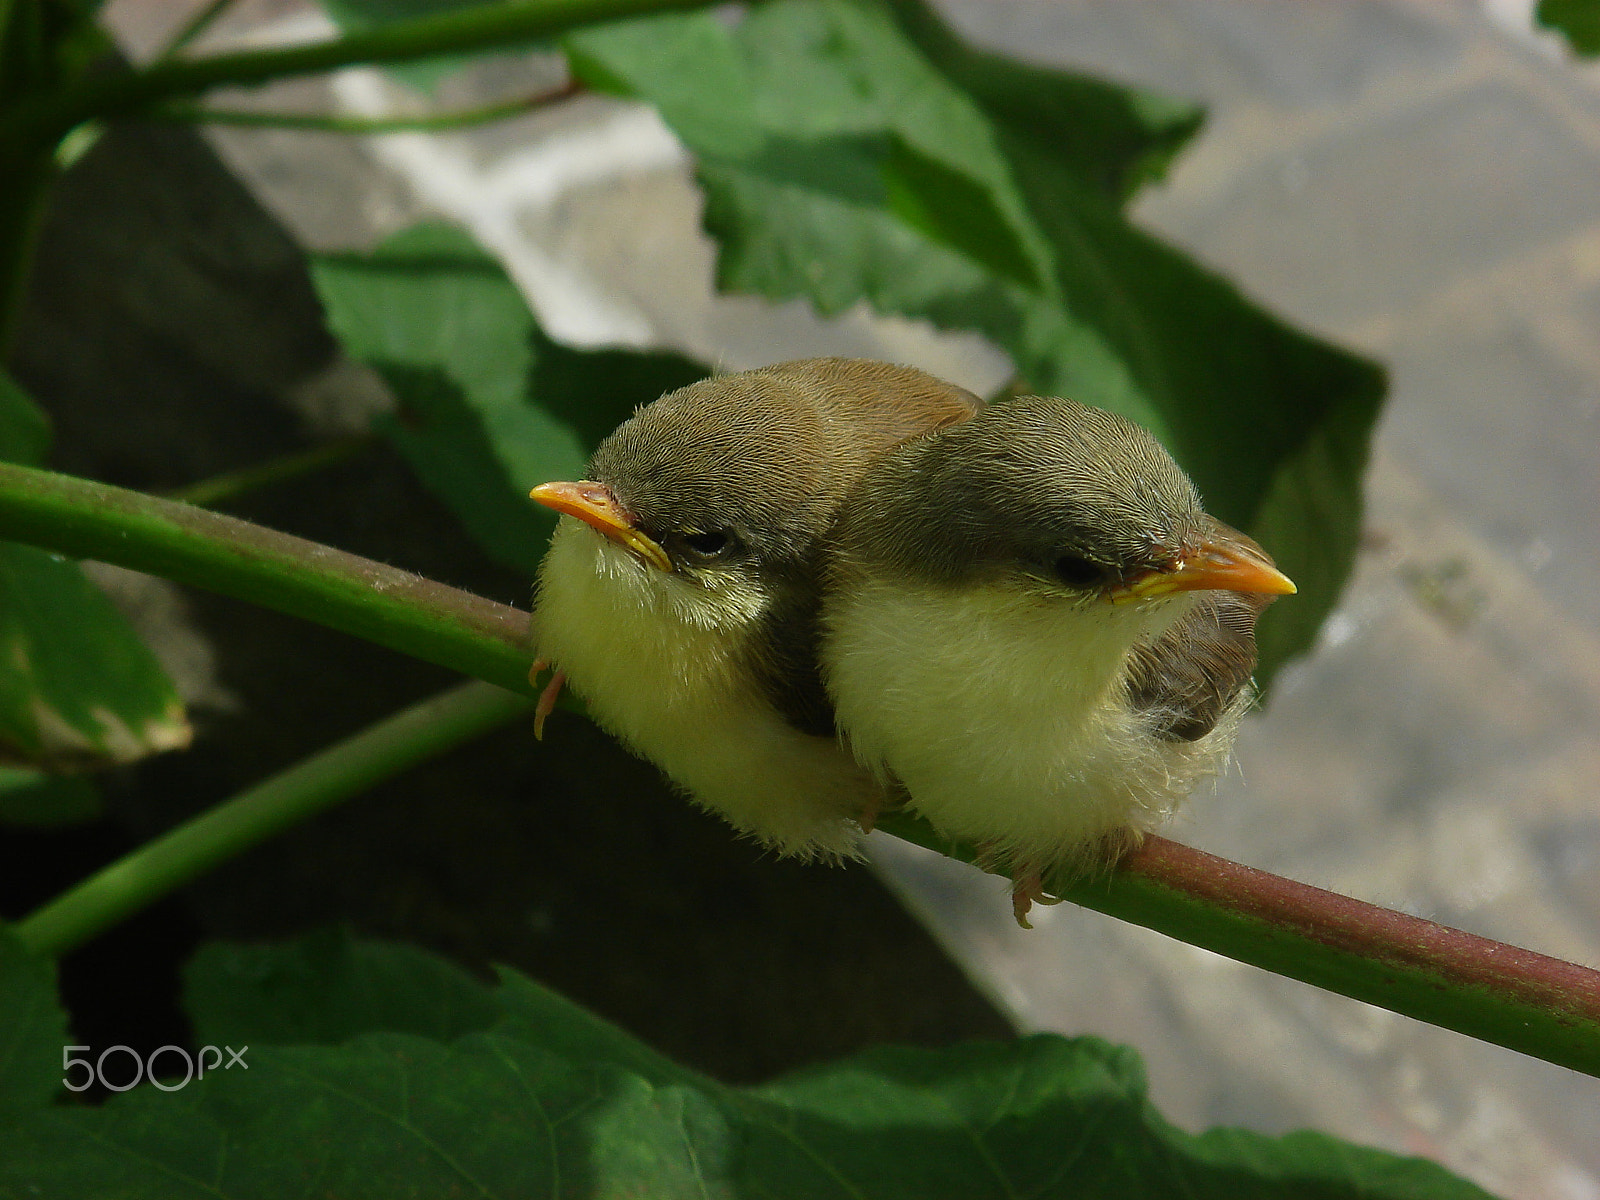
(547, 698)
(1026, 891)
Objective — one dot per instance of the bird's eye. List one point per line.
(1078, 572)
(713, 543)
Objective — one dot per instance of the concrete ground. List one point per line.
(1417, 180)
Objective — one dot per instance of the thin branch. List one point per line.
(165, 864)
(46, 119)
(1538, 1005)
(219, 489)
(222, 554)
(465, 118)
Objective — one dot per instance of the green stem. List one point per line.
(208, 493)
(1529, 1002)
(322, 123)
(161, 866)
(48, 118)
(1512, 997)
(190, 545)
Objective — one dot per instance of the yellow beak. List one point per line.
(594, 505)
(1226, 561)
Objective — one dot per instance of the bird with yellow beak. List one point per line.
(1031, 625)
(679, 596)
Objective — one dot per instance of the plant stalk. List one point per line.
(1541, 1006)
(45, 120)
(165, 864)
(442, 122)
(190, 545)
(219, 489)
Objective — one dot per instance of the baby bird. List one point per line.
(679, 595)
(1032, 624)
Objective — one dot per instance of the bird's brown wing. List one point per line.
(783, 656)
(1187, 678)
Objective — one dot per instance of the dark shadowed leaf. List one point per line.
(33, 1029)
(327, 987)
(553, 1102)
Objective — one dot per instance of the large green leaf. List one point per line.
(78, 688)
(855, 151)
(1114, 138)
(553, 1102)
(489, 406)
(328, 987)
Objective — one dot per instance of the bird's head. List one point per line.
(713, 500)
(1055, 500)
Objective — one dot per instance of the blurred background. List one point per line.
(1417, 180)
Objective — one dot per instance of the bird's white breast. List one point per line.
(657, 659)
(1004, 713)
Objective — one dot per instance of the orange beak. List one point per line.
(1226, 561)
(594, 505)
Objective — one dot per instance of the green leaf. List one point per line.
(554, 1102)
(489, 406)
(387, 1116)
(33, 1029)
(44, 801)
(1045, 1116)
(1578, 19)
(78, 689)
(858, 77)
(829, 175)
(326, 988)
(1113, 138)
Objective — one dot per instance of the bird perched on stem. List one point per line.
(1032, 624)
(679, 594)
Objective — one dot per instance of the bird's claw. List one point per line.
(868, 820)
(1026, 891)
(547, 698)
